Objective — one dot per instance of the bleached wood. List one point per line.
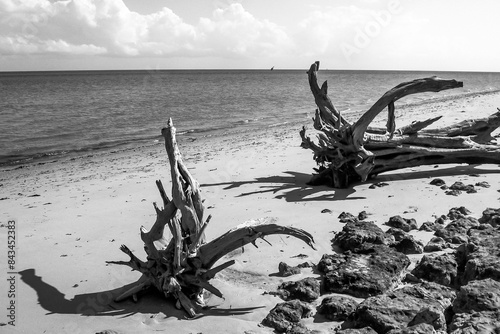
(346, 153)
(184, 267)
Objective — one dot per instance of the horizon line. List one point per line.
(230, 69)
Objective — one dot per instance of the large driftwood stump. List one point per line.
(183, 266)
(346, 153)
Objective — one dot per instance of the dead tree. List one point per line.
(183, 266)
(347, 153)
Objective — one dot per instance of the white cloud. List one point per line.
(108, 27)
(235, 31)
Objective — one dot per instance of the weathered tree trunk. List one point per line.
(346, 153)
(183, 267)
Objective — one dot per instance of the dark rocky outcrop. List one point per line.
(284, 316)
(441, 220)
(346, 217)
(299, 328)
(456, 231)
(430, 226)
(477, 322)
(422, 328)
(437, 182)
(337, 308)
(441, 269)
(372, 270)
(405, 224)
(409, 245)
(432, 315)
(436, 244)
(460, 186)
(355, 233)
(480, 258)
(405, 307)
(307, 290)
(477, 308)
(490, 216)
(477, 296)
(458, 212)
(364, 330)
(397, 233)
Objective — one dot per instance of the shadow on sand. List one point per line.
(102, 304)
(455, 170)
(294, 187)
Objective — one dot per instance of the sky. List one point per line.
(436, 35)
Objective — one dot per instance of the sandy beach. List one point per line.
(71, 215)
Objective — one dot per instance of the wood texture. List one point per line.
(183, 266)
(346, 153)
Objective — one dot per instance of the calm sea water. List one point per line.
(46, 114)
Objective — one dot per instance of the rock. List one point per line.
(436, 244)
(462, 187)
(378, 185)
(299, 328)
(478, 322)
(441, 269)
(415, 329)
(453, 192)
(362, 215)
(285, 270)
(397, 233)
(355, 233)
(459, 212)
(305, 265)
(337, 308)
(410, 278)
(490, 216)
(306, 290)
(456, 231)
(405, 224)
(477, 296)
(409, 245)
(432, 315)
(483, 184)
(437, 182)
(284, 315)
(480, 258)
(441, 220)
(429, 226)
(396, 309)
(364, 330)
(345, 217)
(372, 271)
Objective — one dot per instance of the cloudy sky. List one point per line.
(459, 35)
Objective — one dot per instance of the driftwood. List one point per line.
(183, 266)
(347, 153)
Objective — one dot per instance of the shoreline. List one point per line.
(239, 127)
(73, 214)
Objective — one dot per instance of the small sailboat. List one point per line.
(272, 68)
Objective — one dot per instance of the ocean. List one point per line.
(54, 114)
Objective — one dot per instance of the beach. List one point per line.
(72, 214)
